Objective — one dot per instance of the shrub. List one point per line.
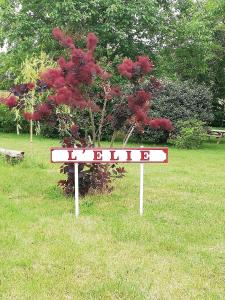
(189, 134)
(7, 121)
(23, 97)
(178, 101)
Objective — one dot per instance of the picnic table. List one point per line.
(218, 133)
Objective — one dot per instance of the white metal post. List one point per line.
(141, 187)
(76, 186)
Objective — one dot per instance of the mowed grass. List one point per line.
(175, 251)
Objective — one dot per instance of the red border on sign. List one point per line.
(164, 149)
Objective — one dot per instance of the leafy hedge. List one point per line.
(178, 101)
(190, 134)
(7, 121)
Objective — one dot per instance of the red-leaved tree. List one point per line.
(79, 83)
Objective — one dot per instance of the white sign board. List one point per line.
(109, 155)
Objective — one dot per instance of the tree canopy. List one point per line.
(124, 27)
(184, 38)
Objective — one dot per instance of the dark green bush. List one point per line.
(49, 131)
(178, 101)
(189, 134)
(7, 121)
(150, 135)
(183, 101)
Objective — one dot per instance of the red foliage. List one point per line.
(63, 96)
(43, 110)
(32, 116)
(59, 35)
(50, 76)
(71, 80)
(28, 116)
(36, 116)
(79, 70)
(30, 86)
(139, 105)
(68, 83)
(22, 89)
(109, 118)
(126, 68)
(11, 102)
(121, 170)
(145, 64)
(68, 142)
(74, 129)
(139, 68)
(108, 96)
(165, 124)
(59, 82)
(141, 116)
(92, 41)
(115, 91)
(104, 75)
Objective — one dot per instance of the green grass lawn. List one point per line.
(175, 251)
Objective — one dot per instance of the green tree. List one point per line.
(193, 41)
(188, 41)
(185, 39)
(31, 70)
(125, 28)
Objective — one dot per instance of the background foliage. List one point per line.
(184, 38)
(190, 134)
(178, 101)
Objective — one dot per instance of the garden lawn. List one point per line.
(175, 251)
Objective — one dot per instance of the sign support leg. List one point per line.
(141, 188)
(76, 187)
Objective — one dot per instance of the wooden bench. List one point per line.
(12, 155)
(218, 133)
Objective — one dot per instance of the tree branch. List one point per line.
(92, 126)
(130, 131)
(101, 121)
(113, 139)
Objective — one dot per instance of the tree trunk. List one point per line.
(113, 139)
(92, 126)
(31, 131)
(130, 131)
(101, 123)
